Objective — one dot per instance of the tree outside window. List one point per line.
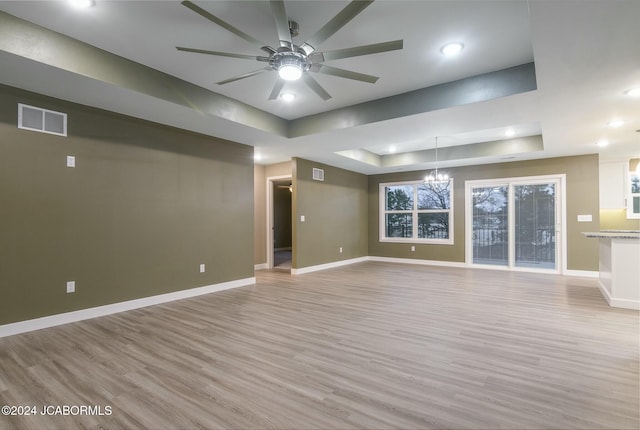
(416, 212)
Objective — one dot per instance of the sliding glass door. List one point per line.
(514, 223)
(535, 225)
(490, 225)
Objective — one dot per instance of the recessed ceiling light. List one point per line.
(633, 92)
(451, 48)
(615, 123)
(510, 133)
(81, 4)
(602, 142)
(288, 97)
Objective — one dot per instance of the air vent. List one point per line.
(318, 174)
(42, 120)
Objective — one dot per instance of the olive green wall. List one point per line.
(582, 198)
(145, 206)
(335, 215)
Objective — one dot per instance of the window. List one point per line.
(416, 212)
(633, 201)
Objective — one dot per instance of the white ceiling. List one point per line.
(586, 55)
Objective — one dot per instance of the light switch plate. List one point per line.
(71, 161)
(202, 268)
(585, 218)
(301, 218)
(71, 286)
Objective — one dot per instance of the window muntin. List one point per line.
(416, 212)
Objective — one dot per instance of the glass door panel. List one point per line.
(535, 225)
(490, 225)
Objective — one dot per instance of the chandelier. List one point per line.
(435, 176)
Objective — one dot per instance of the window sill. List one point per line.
(417, 241)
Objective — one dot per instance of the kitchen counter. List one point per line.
(619, 266)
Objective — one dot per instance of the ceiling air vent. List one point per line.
(318, 174)
(42, 120)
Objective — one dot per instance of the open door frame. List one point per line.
(269, 194)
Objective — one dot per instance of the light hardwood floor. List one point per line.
(368, 346)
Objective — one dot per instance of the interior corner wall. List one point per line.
(335, 212)
(581, 195)
(145, 205)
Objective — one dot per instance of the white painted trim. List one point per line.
(269, 194)
(99, 311)
(582, 273)
(261, 266)
(417, 261)
(413, 240)
(561, 226)
(618, 303)
(332, 265)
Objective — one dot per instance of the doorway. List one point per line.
(515, 223)
(279, 223)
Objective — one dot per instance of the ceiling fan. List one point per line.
(293, 61)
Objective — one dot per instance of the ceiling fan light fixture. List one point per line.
(288, 97)
(290, 72)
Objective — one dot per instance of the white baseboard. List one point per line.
(99, 311)
(582, 273)
(618, 303)
(332, 265)
(261, 266)
(417, 261)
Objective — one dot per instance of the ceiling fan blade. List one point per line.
(336, 23)
(276, 89)
(356, 51)
(342, 73)
(244, 75)
(197, 9)
(222, 54)
(282, 23)
(269, 50)
(315, 86)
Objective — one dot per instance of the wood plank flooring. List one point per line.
(366, 346)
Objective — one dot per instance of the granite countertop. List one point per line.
(614, 234)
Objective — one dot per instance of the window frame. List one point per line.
(382, 203)
(631, 195)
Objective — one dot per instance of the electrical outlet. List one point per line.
(301, 218)
(202, 268)
(340, 250)
(71, 286)
(413, 248)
